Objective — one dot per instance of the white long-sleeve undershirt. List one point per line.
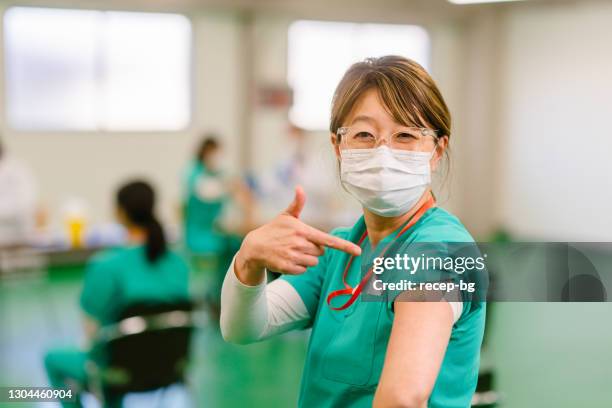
(254, 313)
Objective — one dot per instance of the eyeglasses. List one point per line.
(409, 138)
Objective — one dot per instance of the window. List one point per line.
(320, 52)
(86, 70)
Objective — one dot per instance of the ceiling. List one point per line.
(354, 10)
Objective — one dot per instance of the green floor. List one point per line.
(39, 313)
(545, 355)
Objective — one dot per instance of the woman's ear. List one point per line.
(336, 144)
(440, 149)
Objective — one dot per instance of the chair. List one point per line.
(147, 349)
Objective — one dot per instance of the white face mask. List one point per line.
(385, 181)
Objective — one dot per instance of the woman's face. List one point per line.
(212, 158)
(121, 217)
(370, 113)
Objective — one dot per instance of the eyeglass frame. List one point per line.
(343, 130)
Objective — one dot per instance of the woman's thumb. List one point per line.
(296, 206)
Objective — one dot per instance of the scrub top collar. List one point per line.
(359, 228)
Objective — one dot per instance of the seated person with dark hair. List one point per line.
(142, 271)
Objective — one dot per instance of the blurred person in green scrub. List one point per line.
(207, 193)
(144, 270)
(389, 128)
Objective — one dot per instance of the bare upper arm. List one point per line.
(418, 341)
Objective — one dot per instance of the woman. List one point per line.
(389, 129)
(205, 195)
(207, 191)
(144, 270)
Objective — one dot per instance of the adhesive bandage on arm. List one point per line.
(457, 308)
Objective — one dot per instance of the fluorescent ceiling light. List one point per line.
(479, 1)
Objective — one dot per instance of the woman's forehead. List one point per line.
(369, 109)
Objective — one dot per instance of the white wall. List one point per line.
(556, 105)
(528, 86)
(91, 165)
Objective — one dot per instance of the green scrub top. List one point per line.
(117, 278)
(347, 347)
(204, 200)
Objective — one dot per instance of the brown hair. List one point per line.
(209, 143)
(406, 89)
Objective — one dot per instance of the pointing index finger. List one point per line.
(322, 238)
